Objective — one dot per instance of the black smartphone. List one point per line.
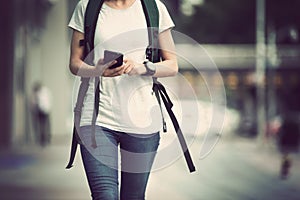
(112, 55)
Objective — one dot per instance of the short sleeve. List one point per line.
(77, 19)
(165, 20)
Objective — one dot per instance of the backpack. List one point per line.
(152, 54)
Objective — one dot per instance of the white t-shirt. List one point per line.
(127, 103)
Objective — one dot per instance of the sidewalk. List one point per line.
(236, 169)
(38, 173)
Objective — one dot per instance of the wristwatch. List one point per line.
(150, 67)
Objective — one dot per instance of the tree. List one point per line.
(226, 21)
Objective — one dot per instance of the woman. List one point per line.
(129, 115)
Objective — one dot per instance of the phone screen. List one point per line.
(112, 55)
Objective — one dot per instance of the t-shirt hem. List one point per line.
(124, 130)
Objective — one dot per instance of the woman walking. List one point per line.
(129, 118)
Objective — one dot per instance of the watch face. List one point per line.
(151, 67)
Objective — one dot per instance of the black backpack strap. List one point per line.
(90, 22)
(153, 54)
(77, 116)
(160, 89)
(73, 148)
(152, 17)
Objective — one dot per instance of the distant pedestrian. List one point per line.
(40, 108)
(288, 142)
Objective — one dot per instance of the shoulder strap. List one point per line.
(151, 13)
(152, 17)
(90, 22)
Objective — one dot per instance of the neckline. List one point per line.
(120, 9)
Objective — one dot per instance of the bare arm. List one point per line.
(77, 66)
(169, 65)
(80, 68)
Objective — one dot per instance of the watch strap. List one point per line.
(150, 68)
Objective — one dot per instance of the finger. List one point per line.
(115, 71)
(101, 65)
(109, 64)
(132, 72)
(108, 73)
(128, 68)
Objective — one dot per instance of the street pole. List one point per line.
(6, 72)
(260, 67)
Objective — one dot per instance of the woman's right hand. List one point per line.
(103, 69)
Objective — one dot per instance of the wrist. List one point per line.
(142, 68)
(150, 68)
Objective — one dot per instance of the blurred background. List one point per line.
(255, 45)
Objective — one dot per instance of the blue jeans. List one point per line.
(101, 163)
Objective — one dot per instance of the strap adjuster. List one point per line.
(82, 42)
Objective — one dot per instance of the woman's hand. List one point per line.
(104, 70)
(133, 68)
(129, 67)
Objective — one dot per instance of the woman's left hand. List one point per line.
(133, 68)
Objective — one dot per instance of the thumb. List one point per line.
(100, 61)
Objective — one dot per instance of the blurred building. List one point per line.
(236, 64)
(34, 47)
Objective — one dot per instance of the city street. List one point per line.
(235, 93)
(237, 168)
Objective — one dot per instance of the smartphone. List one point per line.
(112, 55)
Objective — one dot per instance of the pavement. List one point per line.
(236, 169)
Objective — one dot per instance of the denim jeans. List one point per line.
(101, 163)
